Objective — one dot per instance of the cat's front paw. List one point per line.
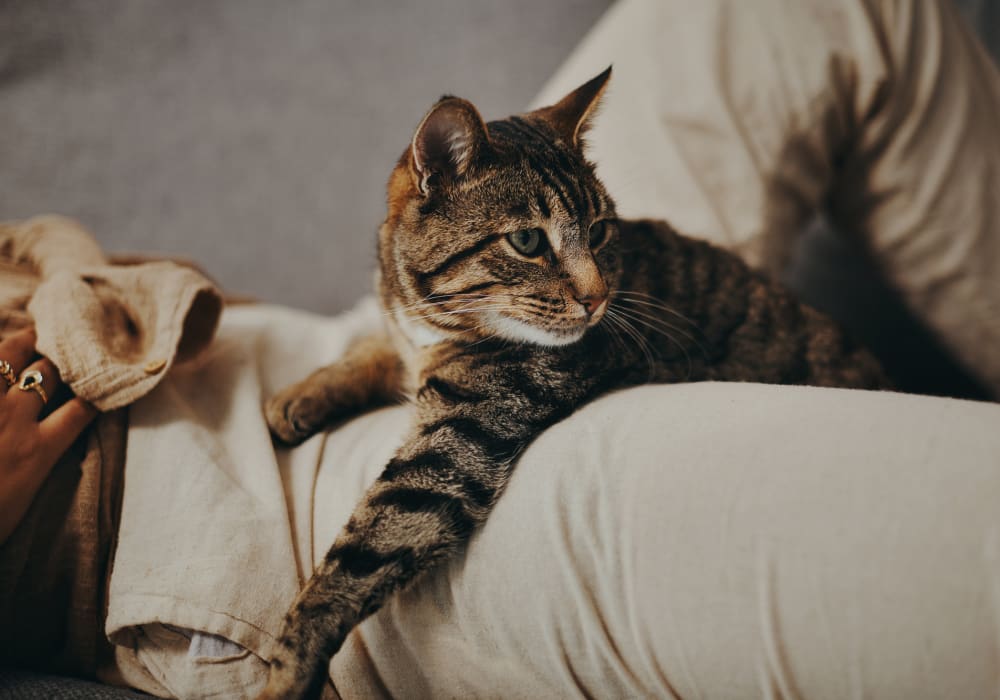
(293, 416)
(289, 679)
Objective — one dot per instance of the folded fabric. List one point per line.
(216, 532)
(113, 332)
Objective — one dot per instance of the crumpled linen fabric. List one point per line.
(113, 332)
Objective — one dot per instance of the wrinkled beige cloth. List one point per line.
(114, 333)
(216, 526)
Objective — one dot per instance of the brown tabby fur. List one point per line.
(677, 309)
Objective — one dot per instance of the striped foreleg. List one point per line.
(440, 486)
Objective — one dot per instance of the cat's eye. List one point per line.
(529, 241)
(598, 234)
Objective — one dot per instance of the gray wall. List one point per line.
(255, 136)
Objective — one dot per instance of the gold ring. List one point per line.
(32, 381)
(7, 372)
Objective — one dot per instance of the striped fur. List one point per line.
(493, 346)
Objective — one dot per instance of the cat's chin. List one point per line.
(519, 331)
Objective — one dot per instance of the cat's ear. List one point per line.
(447, 143)
(571, 116)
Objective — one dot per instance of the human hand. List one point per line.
(31, 441)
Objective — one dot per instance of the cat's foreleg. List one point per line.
(437, 489)
(368, 374)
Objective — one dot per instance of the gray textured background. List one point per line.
(255, 136)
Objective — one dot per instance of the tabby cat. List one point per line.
(513, 295)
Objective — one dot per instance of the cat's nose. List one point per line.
(591, 303)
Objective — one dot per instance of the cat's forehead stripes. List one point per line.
(519, 210)
(556, 166)
(543, 206)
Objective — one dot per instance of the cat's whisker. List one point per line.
(631, 331)
(410, 307)
(656, 319)
(615, 335)
(659, 329)
(472, 299)
(449, 314)
(421, 308)
(650, 300)
(451, 319)
(644, 311)
(641, 338)
(466, 312)
(648, 313)
(644, 345)
(614, 327)
(439, 300)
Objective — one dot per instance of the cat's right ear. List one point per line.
(447, 143)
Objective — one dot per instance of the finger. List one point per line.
(27, 404)
(63, 426)
(17, 349)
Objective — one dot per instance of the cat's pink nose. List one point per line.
(591, 304)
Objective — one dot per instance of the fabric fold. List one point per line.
(114, 332)
(216, 534)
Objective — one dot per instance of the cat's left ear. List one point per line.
(448, 142)
(571, 116)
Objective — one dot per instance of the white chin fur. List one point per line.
(512, 329)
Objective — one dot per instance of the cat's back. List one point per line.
(729, 322)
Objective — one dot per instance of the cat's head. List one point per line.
(500, 229)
